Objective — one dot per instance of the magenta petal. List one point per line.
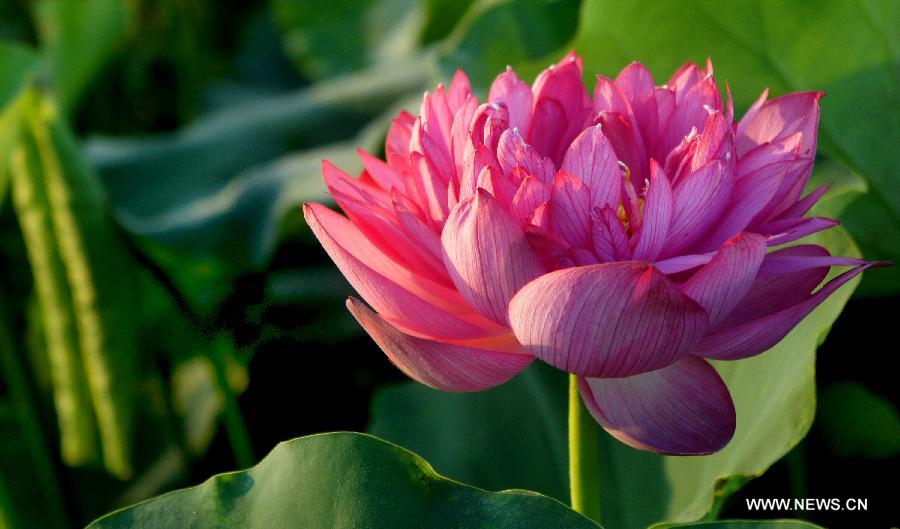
(789, 230)
(684, 79)
(396, 145)
(699, 198)
(802, 206)
(385, 175)
(517, 95)
(754, 337)
(570, 206)
(609, 320)
(487, 255)
(781, 283)
(439, 365)
(592, 159)
(512, 152)
(682, 409)
(636, 84)
(690, 112)
(530, 195)
(548, 126)
(459, 91)
(609, 237)
(561, 105)
(779, 118)
(681, 263)
(459, 134)
(750, 195)
(384, 284)
(721, 284)
(658, 209)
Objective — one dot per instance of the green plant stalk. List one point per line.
(235, 426)
(584, 456)
(73, 407)
(96, 274)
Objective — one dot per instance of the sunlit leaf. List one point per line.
(342, 481)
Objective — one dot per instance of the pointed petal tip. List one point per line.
(439, 365)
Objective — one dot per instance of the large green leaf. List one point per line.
(514, 435)
(342, 481)
(851, 50)
(218, 189)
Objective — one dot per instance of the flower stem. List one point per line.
(584, 456)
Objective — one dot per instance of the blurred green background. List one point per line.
(164, 312)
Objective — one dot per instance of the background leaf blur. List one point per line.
(166, 315)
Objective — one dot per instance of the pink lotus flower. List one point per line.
(621, 237)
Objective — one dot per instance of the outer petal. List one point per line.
(383, 284)
(720, 285)
(756, 336)
(439, 365)
(606, 320)
(779, 118)
(789, 230)
(749, 196)
(396, 148)
(385, 175)
(487, 255)
(682, 409)
(781, 284)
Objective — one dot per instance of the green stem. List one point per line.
(16, 378)
(235, 426)
(584, 456)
